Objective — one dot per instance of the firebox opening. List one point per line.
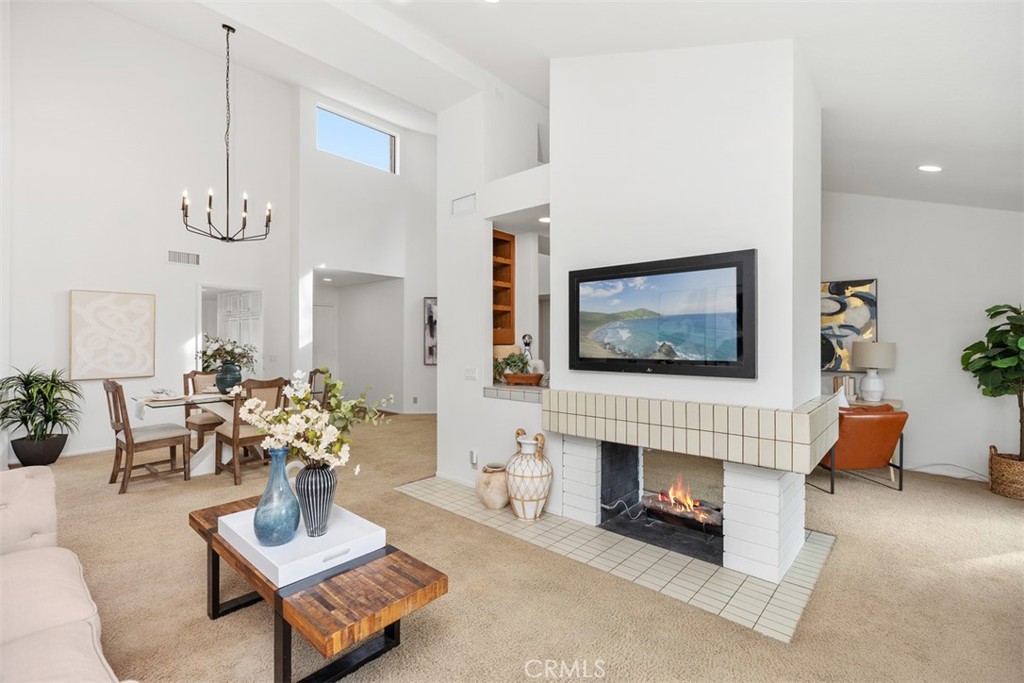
(669, 500)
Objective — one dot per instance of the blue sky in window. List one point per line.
(700, 291)
(346, 138)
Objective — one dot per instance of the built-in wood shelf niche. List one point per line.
(504, 287)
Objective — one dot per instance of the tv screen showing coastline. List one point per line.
(685, 316)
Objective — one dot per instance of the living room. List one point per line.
(767, 128)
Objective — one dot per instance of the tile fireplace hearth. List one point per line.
(773, 609)
(765, 454)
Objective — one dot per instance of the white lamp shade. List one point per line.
(873, 354)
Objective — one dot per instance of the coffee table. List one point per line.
(333, 610)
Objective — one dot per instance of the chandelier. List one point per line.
(212, 231)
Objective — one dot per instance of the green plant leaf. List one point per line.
(1006, 362)
(978, 364)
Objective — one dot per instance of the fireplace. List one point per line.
(762, 454)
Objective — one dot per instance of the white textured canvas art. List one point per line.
(113, 334)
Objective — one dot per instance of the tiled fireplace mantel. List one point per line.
(786, 440)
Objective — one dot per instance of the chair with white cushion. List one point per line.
(243, 437)
(196, 419)
(128, 441)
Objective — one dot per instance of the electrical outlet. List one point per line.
(415, 400)
(472, 459)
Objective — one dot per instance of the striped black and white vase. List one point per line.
(314, 487)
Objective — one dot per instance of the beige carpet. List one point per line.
(924, 585)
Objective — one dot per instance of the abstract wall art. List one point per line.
(113, 334)
(849, 313)
(430, 330)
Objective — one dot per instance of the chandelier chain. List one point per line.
(227, 97)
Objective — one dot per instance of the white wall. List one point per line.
(806, 235)
(361, 219)
(685, 152)
(370, 339)
(109, 121)
(938, 268)
(469, 137)
(5, 200)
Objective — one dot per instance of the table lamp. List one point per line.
(872, 356)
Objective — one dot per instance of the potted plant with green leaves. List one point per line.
(41, 404)
(997, 362)
(514, 369)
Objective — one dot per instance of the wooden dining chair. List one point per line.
(196, 419)
(128, 441)
(318, 378)
(240, 436)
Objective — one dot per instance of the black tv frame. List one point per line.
(745, 367)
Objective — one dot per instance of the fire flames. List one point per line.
(678, 496)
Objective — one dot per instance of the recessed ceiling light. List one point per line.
(327, 279)
(493, 2)
(545, 219)
(321, 265)
(928, 168)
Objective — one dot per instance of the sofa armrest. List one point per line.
(28, 509)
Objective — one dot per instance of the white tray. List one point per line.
(348, 537)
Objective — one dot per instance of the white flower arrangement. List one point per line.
(317, 435)
(217, 351)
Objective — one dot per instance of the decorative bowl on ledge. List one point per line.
(532, 380)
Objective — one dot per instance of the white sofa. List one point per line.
(49, 626)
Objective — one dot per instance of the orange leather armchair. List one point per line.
(868, 436)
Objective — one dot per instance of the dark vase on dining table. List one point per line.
(228, 375)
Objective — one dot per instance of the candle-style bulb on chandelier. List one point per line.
(227, 234)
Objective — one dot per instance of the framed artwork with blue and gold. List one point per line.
(849, 313)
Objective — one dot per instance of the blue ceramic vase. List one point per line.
(315, 488)
(277, 515)
(228, 375)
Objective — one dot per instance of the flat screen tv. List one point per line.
(682, 316)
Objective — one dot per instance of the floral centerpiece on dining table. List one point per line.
(227, 357)
(318, 434)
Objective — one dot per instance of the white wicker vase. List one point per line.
(529, 477)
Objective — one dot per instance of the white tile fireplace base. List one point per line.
(765, 455)
(763, 520)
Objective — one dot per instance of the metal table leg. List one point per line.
(216, 609)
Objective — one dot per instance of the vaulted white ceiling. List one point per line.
(900, 83)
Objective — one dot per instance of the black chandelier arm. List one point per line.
(234, 236)
(211, 230)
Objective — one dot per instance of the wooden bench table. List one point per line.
(333, 610)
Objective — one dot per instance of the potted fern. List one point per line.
(41, 404)
(515, 369)
(997, 362)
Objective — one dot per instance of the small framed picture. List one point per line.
(430, 330)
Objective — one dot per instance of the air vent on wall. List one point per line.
(183, 258)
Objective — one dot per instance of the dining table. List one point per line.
(203, 460)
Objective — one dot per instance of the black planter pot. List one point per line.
(43, 451)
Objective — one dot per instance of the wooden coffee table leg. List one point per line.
(216, 609)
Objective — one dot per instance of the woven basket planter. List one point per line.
(1005, 474)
